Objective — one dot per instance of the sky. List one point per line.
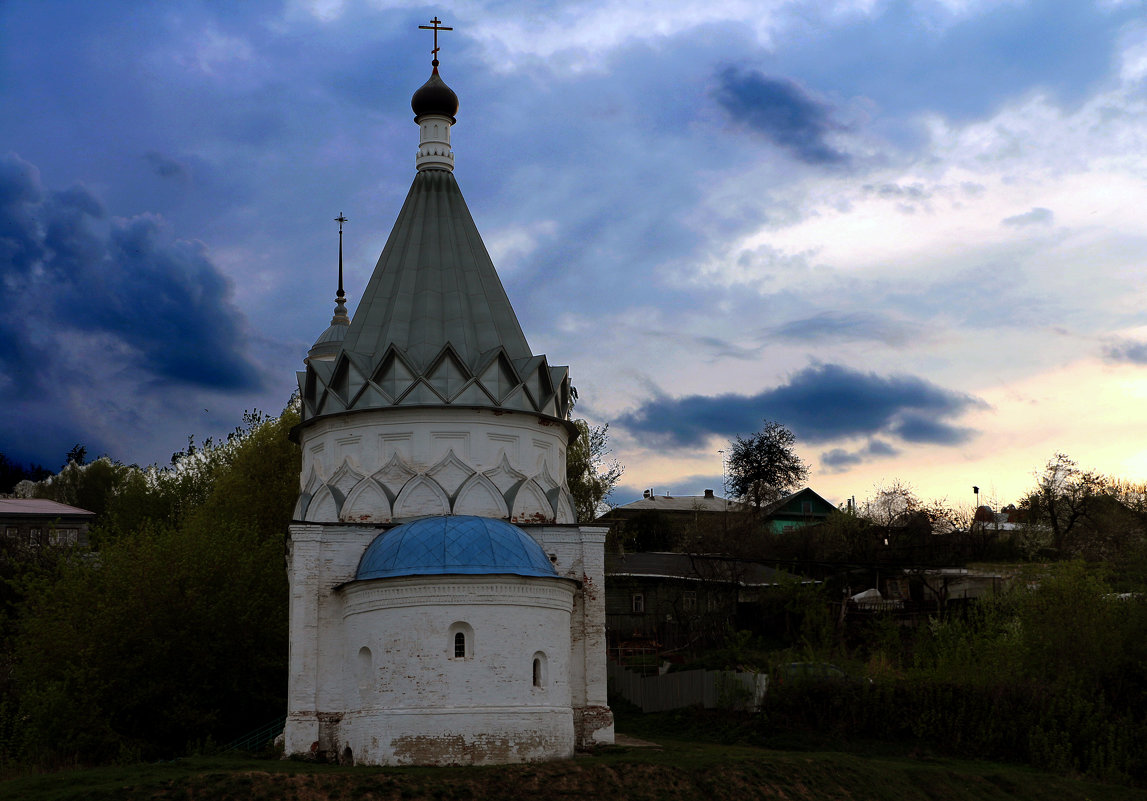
(912, 232)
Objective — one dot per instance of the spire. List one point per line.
(327, 346)
(433, 327)
(340, 317)
(434, 106)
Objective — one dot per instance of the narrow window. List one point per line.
(539, 670)
(461, 642)
(638, 603)
(806, 507)
(689, 600)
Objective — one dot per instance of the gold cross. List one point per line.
(436, 26)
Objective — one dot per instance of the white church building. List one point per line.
(445, 607)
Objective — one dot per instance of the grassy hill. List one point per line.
(678, 770)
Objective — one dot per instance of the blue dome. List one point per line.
(436, 546)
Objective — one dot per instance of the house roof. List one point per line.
(680, 503)
(804, 494)
(690, 567)
(39, 507)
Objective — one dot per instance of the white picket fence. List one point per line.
(711, 689)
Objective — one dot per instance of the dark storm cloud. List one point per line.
(1037, 216)
(838, 460)
(782, 112)
(842, 326)
(1127, 351)
(820, 403)
(68, 266)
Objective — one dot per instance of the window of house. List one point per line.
(638, 603)
(689, 600)
(64, 536)
(11, 532)
(806, 507)
(34, 536)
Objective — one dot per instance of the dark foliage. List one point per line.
(764, 466)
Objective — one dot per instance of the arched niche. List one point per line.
(367, 503)
(531, 505)
(420, 497)
(478, 496)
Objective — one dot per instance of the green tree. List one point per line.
(589, 476)
(764, 466)
(177, 631)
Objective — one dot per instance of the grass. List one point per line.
(683, 768)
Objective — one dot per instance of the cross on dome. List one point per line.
(436, 26)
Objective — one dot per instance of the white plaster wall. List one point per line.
(326, 623)
(580, 554)
(414, 701)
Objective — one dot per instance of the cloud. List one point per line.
(838, 460)
(167, 167)
(1037, 216)
(822, 402)
(1132, 351)
(68, 266)
(844, 326)
(782, 112)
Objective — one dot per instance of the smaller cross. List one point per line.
(436, 26)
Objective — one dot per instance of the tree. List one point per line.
(590, 478)
(764, 467)
(1060, 502)
(178, 631)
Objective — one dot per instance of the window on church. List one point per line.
(539, 669)
(461, 643)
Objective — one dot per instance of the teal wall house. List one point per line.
(801, 509)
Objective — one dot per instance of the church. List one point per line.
(445, 606)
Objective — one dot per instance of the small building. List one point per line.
(676, 599)
(38, 522)
(799, 510)
(666, 522)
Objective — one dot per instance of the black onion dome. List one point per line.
(435, 97)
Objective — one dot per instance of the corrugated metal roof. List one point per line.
(39, 507)
(682, 503)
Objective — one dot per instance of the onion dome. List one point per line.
(435, 97)
(454, 544)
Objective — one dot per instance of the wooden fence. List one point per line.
(712, 689)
